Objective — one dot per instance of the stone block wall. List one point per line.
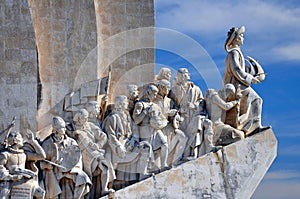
(18, 65)
(48, 48)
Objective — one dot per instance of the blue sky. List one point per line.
(273, 38)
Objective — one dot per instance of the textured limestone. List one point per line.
(130, 53)
(73, 47)
(233, 172)
(18, 65)
(66, 33)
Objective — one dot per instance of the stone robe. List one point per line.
(53, 177)
(125, 151)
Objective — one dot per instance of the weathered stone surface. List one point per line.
(18, 66)
(62, 30)
(122, 48)
(233, 172)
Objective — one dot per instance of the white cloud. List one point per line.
(290, 52)
(279, 185)
(268, 24)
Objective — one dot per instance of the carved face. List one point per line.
(229, 93)
(134, 93)
(15, 138)
(164, 89)
(124, 104)
(60, 130)
(185, 76)
(239, 40)
(167, 75)
(152, 95)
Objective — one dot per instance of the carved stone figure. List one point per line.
(217, 103)
(94, 112)
(162, 99)
(133, 97)
(164, 73)
(63, 174)
(236, 73)
(176, 138)
(91, 140)
(188, 99)
(18, 173)
(151, 121)
(128, 155)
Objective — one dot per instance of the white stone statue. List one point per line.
(176, 137)
(91, 140)
(133, 97)
(128, 155)
(151, 121)
(187, 99)
(217, 103)
(63, 174)
(18, 173)
(236, 73)
(94, 111)
(164, 73)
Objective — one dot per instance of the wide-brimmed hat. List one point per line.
(233, 35)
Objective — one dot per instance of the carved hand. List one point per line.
(255, 80)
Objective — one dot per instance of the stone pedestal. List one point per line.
(233, 172)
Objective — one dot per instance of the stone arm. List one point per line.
(222, 104)
(139, 113)
(37, 153)
(34, 151)
(241, 75)
(100, 136)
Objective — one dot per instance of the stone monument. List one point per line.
(162, 140)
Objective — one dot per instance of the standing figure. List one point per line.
(151, 121)
(17, 178)
(133, 97)
(176, 137)
(236, 73)
(217, 103)
(94, 111)
(128, 155)
(188, 101)
(91, 140)
(63, 174)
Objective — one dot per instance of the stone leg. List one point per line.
(164, 155)
(254, 121)
(178, 144)
(104, 179)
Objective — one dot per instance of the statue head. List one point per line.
(164, 73)
(182, 75)
(15, 139)
(93, 109)
(163, 86)
(81, 117)
(121, 102)
(132, 91)
(150, 92)
(235, 37)
(58, 125)
(229, 90)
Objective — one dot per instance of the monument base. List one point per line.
(232, 172)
